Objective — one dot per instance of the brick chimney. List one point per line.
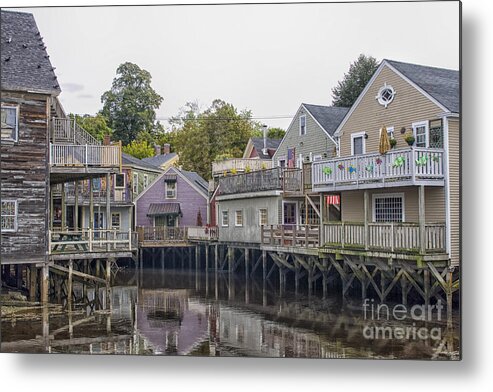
(106, 140)
(157, 150)
(166, 148)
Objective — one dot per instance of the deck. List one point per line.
(163, 236)
(402, 167)
(240, 165)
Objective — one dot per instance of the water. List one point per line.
(180, 312)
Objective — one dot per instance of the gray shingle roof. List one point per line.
(159, 160)
(130, 160)
(442, 84)
(272, 144)
(195, 178)
(24, 61)
(329, 117)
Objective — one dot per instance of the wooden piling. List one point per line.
(70, 284)
(45, 282)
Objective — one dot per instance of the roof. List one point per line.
(24, 61)
(163, 209)
(161, 159)
(329, 117)
(132, 161)
(196, 179)
(440, 83)
(271, 144)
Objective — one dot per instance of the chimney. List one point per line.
(264, 150)
(106, 140)
(157, 150)
(166, 148)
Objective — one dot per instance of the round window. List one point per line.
(385, 95)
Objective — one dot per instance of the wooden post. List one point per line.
(422, 212)
(162, 259)
(91, 204)
(216, 258)
(230, 259)
(108, 211)
(325, 263)
(449, 297)
(426, 286)
(404, 290)
(18, 276)
(206, 257)
(64, 209)
(69, 284)
(366, 211)
(296, 277)
(76, 206)
(247, 261)
(264, 266)
(52, 212)
(45, 282)
(197, 257)
(108, 281)
(33, 282)
(321, 234)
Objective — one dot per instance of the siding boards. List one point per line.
(454, 184)
(315, 140)
(408, 106)
(25, 178)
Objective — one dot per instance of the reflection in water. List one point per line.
(216, 314)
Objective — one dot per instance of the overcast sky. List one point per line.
(266, 58)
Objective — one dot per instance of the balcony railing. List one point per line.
(405, 166)
(257, 181)
(393, 237)
(203, 233)
(240, 165)
(306, 236)
(87, 155)
(88, 240)
(66, 130)
(160, 234)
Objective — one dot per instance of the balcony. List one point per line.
(256, 181)
(67, 131)
(413, 166)
(239, 165)
(123, 196)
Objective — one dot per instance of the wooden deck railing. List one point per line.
(85, 155)
(306, 236)
(203, 233)
(240, 165)
(161, 234)
(66, 130)
(88, 240)
(257, 181)
(401, 165)
(393, 237)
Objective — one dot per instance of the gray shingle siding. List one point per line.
(24, 61)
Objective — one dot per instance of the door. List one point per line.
(289, 213)
(98, 223)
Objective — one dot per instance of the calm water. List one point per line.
(179, 312)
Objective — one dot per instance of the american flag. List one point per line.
(291, 157)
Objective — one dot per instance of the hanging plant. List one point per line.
(409, 138)
(399, 161)
(327, 170)
(340, 166)
(393, 142)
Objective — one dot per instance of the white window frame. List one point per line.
(380, 98)
(317, 157)
(283, 159)
(16, 107)
(355, 136)
(119, 227)
(16, 205)
(146, 181)
(224, 213)
(303, 116)
(236, 218)
(135, 184)
(166, 184)
(419, 124)
(124, 180)
(376, 196)
(260, 216)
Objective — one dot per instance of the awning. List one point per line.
(169, 178)
(156, 209)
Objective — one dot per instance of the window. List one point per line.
(289, 213)
(119, 181)
(146, 181)
(135, 183)
(96, 184)
(170, 189)
(390, 132)
(10, 123)
(388, 208)
(420, 130)
(224, 218)
(262, 216)
(282, 162)
(9, 215)
(115, 220)
(385, 95)
(303, 125)
(313, 218)
(358, 146)
(436, 134)
(238, 218)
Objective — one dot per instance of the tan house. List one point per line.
(407, 199)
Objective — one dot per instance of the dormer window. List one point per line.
(302, 125)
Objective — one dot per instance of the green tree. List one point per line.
(203, 136)
(130, 105)
(95, 125)
(347, 91)
(139, 149)
(276, 133)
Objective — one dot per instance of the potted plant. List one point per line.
(393, 142)
(409, 138)
(247, 169)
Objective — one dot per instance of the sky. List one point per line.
(267, 58)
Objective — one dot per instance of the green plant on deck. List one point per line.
(263, 166)
(409, 138)
(234, 171)
(247, 169)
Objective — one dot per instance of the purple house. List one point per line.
(175, 198)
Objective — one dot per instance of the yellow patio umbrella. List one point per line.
(384, 141)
